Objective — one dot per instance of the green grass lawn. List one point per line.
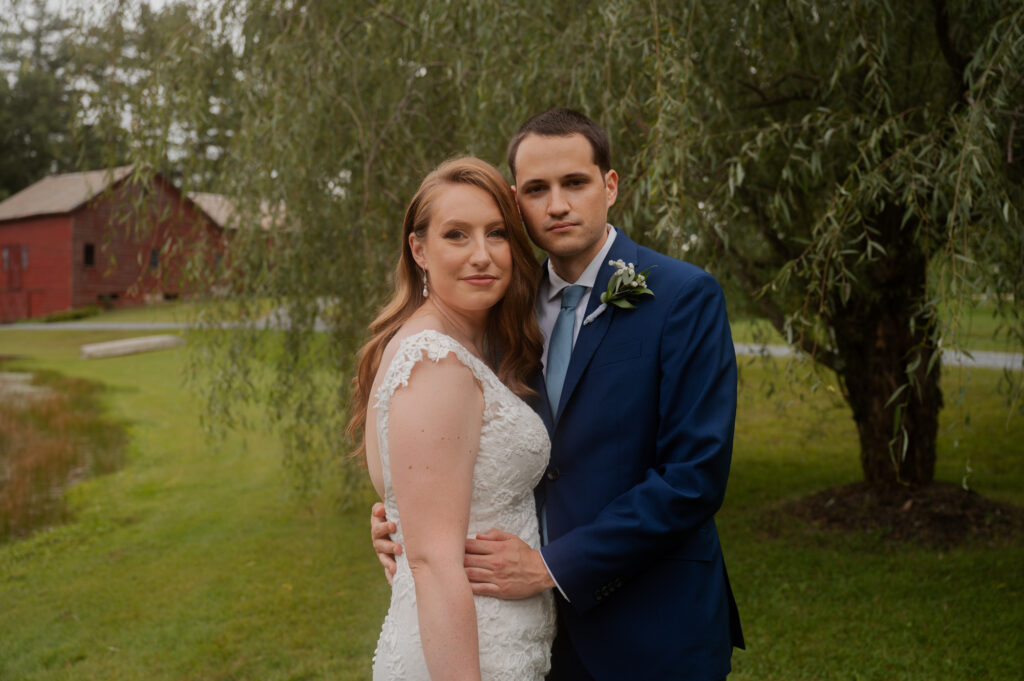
(170, 311)
(194, 562)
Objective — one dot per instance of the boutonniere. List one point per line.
(626, 283)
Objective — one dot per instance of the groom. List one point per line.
(640, 405)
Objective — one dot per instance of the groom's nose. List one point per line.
(557, 202)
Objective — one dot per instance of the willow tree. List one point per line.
(845, 166)
(853, 165)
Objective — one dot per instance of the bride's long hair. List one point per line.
(514, 343)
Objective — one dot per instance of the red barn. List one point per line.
(81, 239)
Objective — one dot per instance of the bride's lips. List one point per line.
(480, 279)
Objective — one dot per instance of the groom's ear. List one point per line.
(611, 186)
(515, 199)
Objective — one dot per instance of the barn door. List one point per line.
(11, 256)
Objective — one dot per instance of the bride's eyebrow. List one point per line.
(455, 222)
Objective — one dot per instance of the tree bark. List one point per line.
(886, 341)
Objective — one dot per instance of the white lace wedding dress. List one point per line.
(515, 636)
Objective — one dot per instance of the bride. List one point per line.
(450, 446)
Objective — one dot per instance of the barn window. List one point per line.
(154, 258)
(7, 257)
(24, 258)
(89, 256)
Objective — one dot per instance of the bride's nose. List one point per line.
(481, 255)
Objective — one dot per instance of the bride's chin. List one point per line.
(478, 303)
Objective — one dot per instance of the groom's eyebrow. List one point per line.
(564, 178)
(535, 180)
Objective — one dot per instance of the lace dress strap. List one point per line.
(428, 344)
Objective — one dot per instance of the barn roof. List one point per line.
(217, 206)
(221, 210)
(58, 194)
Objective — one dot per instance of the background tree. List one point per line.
(131, 66)
(853, 165)
(38, 98)
(847, 168)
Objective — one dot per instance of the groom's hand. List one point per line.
(502, 565)
(380, 533)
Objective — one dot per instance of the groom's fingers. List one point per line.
(484, 589)
(381, 530)
(380, 535)
(479, 575)
(388, 561)
(494, 534)
(483, 560)
(503, 565)
(480, 547)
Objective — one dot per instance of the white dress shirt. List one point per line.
(549, 297)
(549, 302)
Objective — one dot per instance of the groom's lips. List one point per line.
(560, 227)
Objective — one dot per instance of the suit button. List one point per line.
(552, 474)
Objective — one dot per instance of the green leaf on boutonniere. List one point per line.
(626, 283)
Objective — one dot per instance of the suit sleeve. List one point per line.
(679, 496)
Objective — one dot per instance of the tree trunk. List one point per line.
(886, 340)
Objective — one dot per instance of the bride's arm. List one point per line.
(434, 435)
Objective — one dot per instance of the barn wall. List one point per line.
(123, 238)
(44, 285)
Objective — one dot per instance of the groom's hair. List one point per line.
(562, 123)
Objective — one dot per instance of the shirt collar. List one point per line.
(589, 276)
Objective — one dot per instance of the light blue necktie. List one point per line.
(560, 347)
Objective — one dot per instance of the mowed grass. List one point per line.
(194, 562)
(823, 605)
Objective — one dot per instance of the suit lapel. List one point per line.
(592, 334)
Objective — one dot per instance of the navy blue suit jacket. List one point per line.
(641, 446)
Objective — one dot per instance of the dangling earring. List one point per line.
(426, 292)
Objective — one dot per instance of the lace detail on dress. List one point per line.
(515, 636)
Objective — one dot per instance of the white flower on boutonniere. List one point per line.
(626, 283)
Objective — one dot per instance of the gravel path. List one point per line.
(979, 358)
